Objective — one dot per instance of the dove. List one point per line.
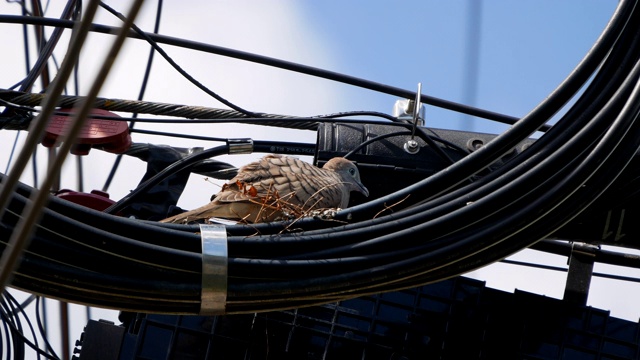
(276, 185)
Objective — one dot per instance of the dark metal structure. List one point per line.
(452, 319)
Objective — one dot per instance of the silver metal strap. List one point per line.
(240, 146)
(214, 269)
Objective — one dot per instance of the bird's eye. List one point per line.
(352, 171)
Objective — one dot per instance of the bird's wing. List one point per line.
(264, 188)
(288, 179)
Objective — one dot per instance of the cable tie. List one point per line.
(214, 269)
(240, 146)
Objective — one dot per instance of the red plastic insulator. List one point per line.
(110, 135)
(97, 200)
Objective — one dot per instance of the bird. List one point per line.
(277, 186)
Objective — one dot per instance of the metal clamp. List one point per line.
(240, 146)
(214, 269)
(412, 146)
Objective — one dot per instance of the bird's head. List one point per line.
(348, 172)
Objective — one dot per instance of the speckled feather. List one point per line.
(289, 179)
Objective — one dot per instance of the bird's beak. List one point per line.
(363, 189)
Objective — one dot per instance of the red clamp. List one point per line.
(112, 136)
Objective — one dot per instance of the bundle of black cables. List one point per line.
(444, 227)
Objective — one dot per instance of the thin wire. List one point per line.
(374, 139)
(147, 71)
(401, 133)
(25, 303)
(183, 136)
(186, 75)
(34, 166)
(25, 37)
(13, 329)
(40, 67)
(13, 307)
(13, 149)
(143, 87)
(45, 323)
(16, 325)
(7, 338)
(561, 269)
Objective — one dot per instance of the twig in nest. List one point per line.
(390, 207)
(324, 213)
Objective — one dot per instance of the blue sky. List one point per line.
(526, 48)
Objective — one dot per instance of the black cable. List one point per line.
(552, 183)
(113, 248)
(104, 290)
(61, 214)
(500, 172)
(106, 287)
(478, 160)
(455, 195)
(116, 248)
(608, 177)
(565, 207)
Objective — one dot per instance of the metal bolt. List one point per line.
(411, 146)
